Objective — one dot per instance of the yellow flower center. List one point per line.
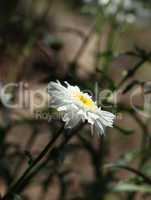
(86, 101)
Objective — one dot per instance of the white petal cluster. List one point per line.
(78, 106)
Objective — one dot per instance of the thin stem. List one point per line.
(27, 147)
(138, 173)
(132, 71)
(50, 157)
(72, 30)
(35, 162)
(28, 174)
(84, 44)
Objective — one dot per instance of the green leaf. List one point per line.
(129, 187)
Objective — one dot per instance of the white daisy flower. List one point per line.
(78, 106)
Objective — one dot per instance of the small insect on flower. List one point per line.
(78, 106)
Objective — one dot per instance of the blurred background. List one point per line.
(95, 44)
